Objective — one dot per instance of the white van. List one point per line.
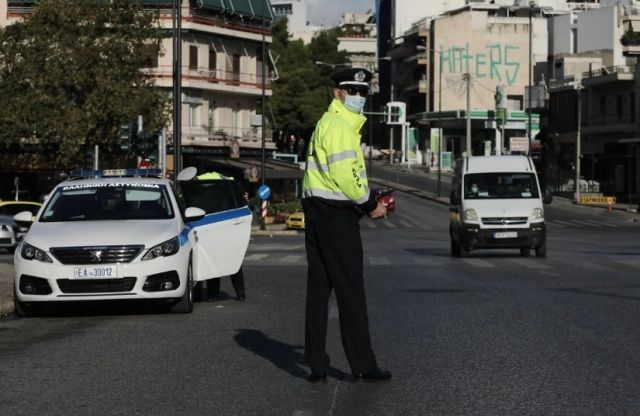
(496, 202)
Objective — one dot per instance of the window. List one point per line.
(194, 115)
(236, 67)
(212, 60)
(193, 58)
(603, 106)
(619, 106)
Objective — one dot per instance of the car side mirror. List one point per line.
(194, 214)
(23, 219)
(548, 196)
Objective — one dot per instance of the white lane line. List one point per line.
(427, 261)
(601, 223)
(531, 264)
(379, 261)
(405, 224)
(556, 224)
(617, 222)
(291, 258)
(255, 257)
(582, 223)
(565, 223)
(388, 224)
(478, 263)
(628, 262)
(370, 224)
(582, 263)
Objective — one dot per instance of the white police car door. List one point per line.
(220, 239)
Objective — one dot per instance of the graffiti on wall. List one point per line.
(496, 62)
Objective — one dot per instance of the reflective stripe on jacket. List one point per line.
(335, 164)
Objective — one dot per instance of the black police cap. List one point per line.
(351, 76)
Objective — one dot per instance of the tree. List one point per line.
(303, 91)
(70, 77)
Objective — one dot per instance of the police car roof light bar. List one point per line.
(85, 173)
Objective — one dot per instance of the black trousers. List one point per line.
(334, 256)
(237, 280)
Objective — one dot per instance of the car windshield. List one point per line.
(108, 201)
(500, 186)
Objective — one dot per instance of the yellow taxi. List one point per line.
(296, 220)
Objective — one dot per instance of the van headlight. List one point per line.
(537, 214)
(29, 252)
(470, 215)
(168, 248)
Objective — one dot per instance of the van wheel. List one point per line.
(524, 252)
(455, 249)
(185, 304)
(541, 251)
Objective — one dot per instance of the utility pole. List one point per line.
(467, 77)
(177, 91)
(262, 173)
(440, 135)
(578, 139)
(531, 4)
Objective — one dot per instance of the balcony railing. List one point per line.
(610, 70)
(215, 76)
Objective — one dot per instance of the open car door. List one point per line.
(221, 238)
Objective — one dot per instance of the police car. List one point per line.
(125, 234)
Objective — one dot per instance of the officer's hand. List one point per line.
(379, 212)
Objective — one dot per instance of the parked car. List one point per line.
(10, 231)
(385, 195)
(296, 220)
(127, 236)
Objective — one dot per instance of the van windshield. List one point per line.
(502, 185)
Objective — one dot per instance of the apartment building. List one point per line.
(222, 74)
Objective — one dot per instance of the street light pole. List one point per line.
(578, 139)
(440, 130)
(177, 91)
(531, 4)
(262, 173)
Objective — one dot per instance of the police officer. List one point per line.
(237, 279)
(335, 196)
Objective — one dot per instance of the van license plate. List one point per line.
(94, 272)
(510, 234)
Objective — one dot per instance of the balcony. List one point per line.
(622, 123)
(216, 80)
(608, 75)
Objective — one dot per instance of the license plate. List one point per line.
(509, 234)
(101, 272)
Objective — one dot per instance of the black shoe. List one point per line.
(374, 375)
(314, 378)
(241, 297)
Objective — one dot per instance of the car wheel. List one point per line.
(524, 252)
(23, 309)
(185, 304)
(541, 251)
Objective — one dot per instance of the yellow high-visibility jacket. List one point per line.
(335, 165)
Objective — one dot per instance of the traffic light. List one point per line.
(396, 112)
(127, 132)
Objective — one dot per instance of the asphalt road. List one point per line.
(493, 334)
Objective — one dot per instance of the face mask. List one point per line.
(354, 103)
(474, 189)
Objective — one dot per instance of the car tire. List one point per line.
(185, 304)
(524, 252)
(23, 309)
(541, 250)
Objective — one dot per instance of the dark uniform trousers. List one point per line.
(237, 280)
(334, 257)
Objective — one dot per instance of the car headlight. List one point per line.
(30, 252)
(168, 248)
(470, 215)
(537, 214)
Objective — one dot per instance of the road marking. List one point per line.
(405, 224)
(388, 224)
(582, 263)
(601, 223)
(291, 258)
(628, 262)
(556, 224)
(582, 223)
(532, 264)
(478, 263)
(413, 221)
(255, 257)
(563, 223)
(370, 224)
(379, 261)
(427, 261)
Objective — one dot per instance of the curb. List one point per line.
(6, 289)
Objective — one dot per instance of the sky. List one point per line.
(328, 12)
